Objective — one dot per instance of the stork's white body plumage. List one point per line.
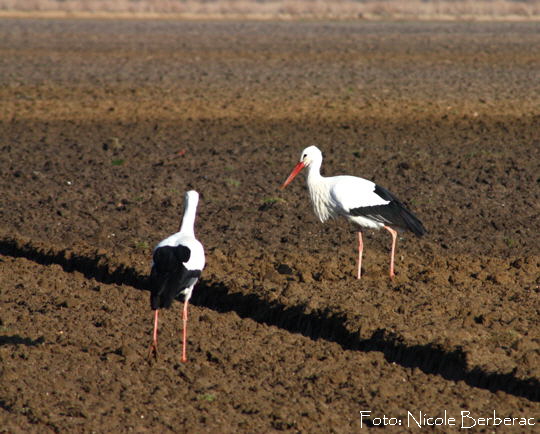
(359, 200)
(177, 263)
(336, 196)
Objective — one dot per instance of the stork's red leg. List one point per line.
(153, 347)
(394, 238)
(360, 250)
(184, 332)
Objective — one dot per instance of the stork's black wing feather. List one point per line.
(169, 276)
(394, 213)
(167, 258)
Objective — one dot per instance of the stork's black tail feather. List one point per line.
(394, 213)
(165, 288)
(412, 222)
(409, 220)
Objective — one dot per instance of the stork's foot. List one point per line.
(153, 352)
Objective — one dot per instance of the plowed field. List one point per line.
(105, 124)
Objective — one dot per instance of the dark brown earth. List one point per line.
(104, 125)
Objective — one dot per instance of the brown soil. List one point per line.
(95, 118)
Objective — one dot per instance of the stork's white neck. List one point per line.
(319, 192)
(188, 220)
(314, 172)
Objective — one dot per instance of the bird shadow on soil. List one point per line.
(19, 340)
(430, 358)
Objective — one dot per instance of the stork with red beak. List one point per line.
(360, 201)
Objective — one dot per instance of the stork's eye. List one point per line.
(304, 156)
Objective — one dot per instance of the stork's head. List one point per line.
(310, 155)
(191, 197)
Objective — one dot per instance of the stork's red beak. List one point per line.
(295, 172)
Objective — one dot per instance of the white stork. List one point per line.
(177, 264)
(360, 201)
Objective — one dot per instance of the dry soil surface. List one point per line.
(105, 124)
